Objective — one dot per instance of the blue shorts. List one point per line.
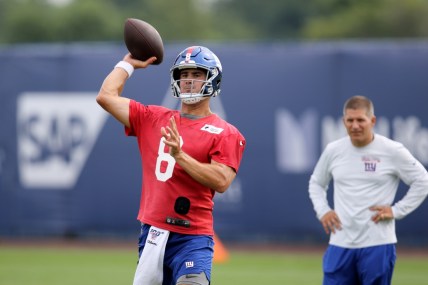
(359, 266)
(184, 254)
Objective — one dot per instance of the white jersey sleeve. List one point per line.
(414, 174)
(318, 184)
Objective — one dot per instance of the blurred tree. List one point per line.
(175, 20)
(83, 20)
(38, 21)
(220, 20)
(372, 19)
(326, 19)
(26, 21)
(271, 19)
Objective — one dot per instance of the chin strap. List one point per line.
(192, 100)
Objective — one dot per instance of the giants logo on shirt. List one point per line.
(370, 163)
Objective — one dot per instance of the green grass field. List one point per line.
(85, 266)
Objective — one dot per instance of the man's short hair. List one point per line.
(359, 102)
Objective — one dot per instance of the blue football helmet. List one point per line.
(201, 58)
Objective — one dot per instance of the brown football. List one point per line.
(143, 40)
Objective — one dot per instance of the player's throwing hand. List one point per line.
(171, 137)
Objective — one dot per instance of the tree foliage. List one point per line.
(372, 19)
(220, 20)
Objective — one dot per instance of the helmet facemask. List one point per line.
(191, 94)
(196, 58)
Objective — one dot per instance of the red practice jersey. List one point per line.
(205, 139)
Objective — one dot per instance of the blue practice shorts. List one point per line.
(359, 266)
(184, 254)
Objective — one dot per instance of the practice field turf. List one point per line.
(24, 265)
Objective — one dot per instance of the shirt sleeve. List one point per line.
(318, 184)
(133, 118)
(229, 150)
(414, 174)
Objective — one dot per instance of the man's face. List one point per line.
(359, 126)
(192, 80)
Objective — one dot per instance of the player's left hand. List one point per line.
(383, 213)
(171, 137)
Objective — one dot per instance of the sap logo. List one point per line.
(56, 133)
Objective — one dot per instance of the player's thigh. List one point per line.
(189, 256)
(339, 266)
(377, 264)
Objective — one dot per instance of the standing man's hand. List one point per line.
(383, 213)
(331, 222)
(172, 137)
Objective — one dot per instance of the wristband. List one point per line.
(125, 66)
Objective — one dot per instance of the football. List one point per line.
(143, 40)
